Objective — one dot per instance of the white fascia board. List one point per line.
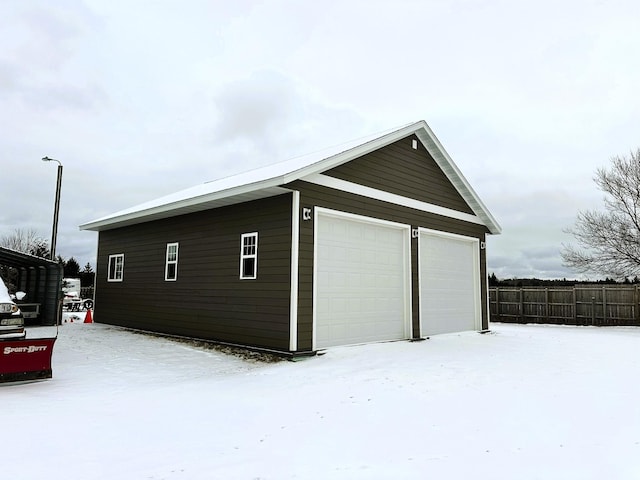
(158, 209)
(357, 189)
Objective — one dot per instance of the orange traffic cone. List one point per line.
(87, 317)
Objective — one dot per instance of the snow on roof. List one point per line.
(14, 258)
(270, 180)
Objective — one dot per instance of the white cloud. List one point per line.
(142, 99)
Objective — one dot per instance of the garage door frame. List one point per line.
(320, 212)
(477, 301)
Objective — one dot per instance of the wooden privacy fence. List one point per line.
(578, 305)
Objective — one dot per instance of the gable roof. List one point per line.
(269, 180)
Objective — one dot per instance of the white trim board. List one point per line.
(295, 249)
(357, 189)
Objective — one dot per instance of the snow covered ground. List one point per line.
(523, 402)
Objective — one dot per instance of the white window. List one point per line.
(249, 256)
(116, 267)
(171, 266)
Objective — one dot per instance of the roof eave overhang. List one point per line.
(232, 196)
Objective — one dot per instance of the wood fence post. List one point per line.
(521, 305)
(575, 306)
(546, 305)
(497, 290)
(593, 310)
(636, 309)
(604, 305)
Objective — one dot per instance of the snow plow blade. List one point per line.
(25, 359)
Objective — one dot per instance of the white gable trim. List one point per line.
(357, 189)
(453, 173)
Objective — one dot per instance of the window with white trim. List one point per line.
(249, 256)
(116, 268)
(171, 264)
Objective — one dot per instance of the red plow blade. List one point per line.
(25, 359)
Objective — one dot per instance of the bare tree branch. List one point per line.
(26, 241)
(609, 241)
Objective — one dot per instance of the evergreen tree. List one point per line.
(87, 276)
(71, 268)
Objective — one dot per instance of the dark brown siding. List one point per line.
(400, 169)
(312, 195)
(305, 281)
(208, 300)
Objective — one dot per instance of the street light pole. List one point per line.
(56, 208)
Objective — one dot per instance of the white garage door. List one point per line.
(361, 286)
(449, 283)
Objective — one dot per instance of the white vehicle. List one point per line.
(11, 319)
(72, 299)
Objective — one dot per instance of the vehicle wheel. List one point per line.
(88, 304)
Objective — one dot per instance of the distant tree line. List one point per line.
(564, 282)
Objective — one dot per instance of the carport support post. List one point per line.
(56, 208)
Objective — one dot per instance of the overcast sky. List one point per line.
(139, 99)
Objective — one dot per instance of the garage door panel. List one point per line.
(361, 273)
(449, 283)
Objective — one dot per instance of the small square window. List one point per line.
(249, 256)
(171, 265)
(116, 268)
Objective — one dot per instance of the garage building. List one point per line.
(378, 239)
